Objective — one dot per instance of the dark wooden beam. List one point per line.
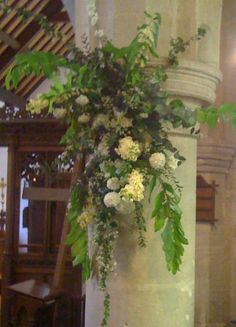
(12, 99)
(8, 40)
(61, 17)
(28, 33)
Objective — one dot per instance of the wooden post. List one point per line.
(8, 247)
(60, 264)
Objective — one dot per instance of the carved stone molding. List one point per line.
(217, 159)
(194, 80)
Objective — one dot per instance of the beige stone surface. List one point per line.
(215, 249)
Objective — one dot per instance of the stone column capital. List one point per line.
(193, 80)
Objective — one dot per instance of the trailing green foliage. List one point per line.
(167, 213)
(179, 45)
(25, 15)
(212, 116)
(77, 237)
(106, 310)
(34, 63)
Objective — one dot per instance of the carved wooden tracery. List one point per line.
(33, 157)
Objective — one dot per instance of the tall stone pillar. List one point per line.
(143, 292)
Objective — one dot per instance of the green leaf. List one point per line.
(159, 223)
(211, 119)
(151, 186)
(86, 270)
(173, 240)
(34, 63)
(79, 245)
(74, 234)
(201, 116)
(158, 203)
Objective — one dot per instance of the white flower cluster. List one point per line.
(121, 121)
(36, 106)
(134, 190)
(104, 250)
(146, 35)
(87, 216)
(111, 199)
(82, 100)
(172, 162)
(128, 149)
(92, 13)
(59, 113)
(113, 183)
(84, 118)
(157, 160)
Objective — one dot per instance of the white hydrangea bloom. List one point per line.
(128, 149)
(59, 113)
(111, 199)
(84, 118)
(157, 160)
(113, 183)
(82, 100)
(134, 190)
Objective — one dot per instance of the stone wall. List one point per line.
(215, 300)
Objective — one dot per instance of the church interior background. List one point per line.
(31, 222)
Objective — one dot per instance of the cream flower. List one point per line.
(121, 121)
(83, 119)
(113, 183)
(59, 113)
(128, 149)
(82, 100)
(111, 199)
(134, 190)
(86, 217)
(35, 106)
(157, 160)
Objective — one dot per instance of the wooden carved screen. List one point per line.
(40, 215)
(41, 185)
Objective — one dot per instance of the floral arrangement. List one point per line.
(117, 115)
